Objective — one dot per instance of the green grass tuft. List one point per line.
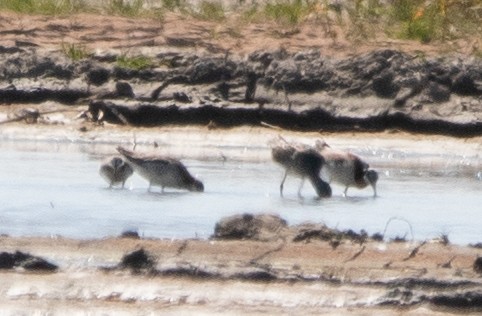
(173, 5)
(127, 8)
(210, 11)
(75, 52)
(134, 62)
(46, 7)
(287, 12)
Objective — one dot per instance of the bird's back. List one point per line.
(283, 155)
(344, 168)
(163, 171)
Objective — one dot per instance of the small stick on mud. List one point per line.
(270, 126)
(414, 251)
(155, 94)
(28, 115)
(182, 248)
(356, 255)
(263, 255)
(448, 264)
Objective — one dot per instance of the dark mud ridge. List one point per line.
(377, 91)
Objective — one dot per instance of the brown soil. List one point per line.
(181, 31)
(316, 278)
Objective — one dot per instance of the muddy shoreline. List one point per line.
(201, 89)
(278, 85)
(278, 275)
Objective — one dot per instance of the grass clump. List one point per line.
(133, 62)
(46, 7)
(417, 21)
(74, 51)
(210, 11)
(173, 5)
(436, 20)
(127, 8)
(287, 12)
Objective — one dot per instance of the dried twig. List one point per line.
(448, 264)
(27, 115)
(270, 125)
(182, 248)
(415, 251)
(357, 254)
(263, 255)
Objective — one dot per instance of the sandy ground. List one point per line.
(101, 33)
(340, 281)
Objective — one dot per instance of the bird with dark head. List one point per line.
(115, 171)
(303, 162)
(346, 169)
(161, 171)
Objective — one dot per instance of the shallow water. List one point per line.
(55, 189)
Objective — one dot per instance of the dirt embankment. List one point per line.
(195, 79)
(254, 264)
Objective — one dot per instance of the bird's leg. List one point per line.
(149, 188)
(282, 183)
(344, 192)
(162, 189)
(123, 184)
(301, 186)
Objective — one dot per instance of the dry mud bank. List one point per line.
(193, 78)
(232, 277)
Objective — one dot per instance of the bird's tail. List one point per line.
(125, 152)
(128, 154)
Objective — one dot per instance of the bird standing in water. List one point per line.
(346, 168)
(161, 171)
(303, 162)
(115, 171)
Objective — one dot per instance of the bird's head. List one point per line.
(117, 162)
(196, 186)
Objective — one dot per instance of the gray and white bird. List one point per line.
(346, 169)
(161, 171)
(115, 171)
(303, 162)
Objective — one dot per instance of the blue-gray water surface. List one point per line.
(55, 189)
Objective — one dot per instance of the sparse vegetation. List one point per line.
(425, 21)
(75, 51)
(173, 5)
(133, 62)
(128, 8)
(289, 12)
(210, 11)
(46, 7)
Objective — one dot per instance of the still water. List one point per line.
(49, 189)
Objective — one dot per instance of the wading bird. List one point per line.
(346, 169)
(161, 171)
(115, 171)
(303, 162)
